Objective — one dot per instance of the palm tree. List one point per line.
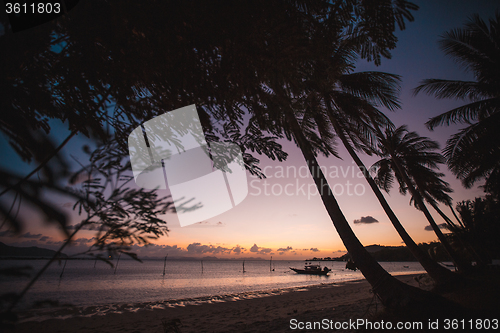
(391, 291)
(435, 190)
(408, 157)
(441, 275)
(348, 101)
(292, 111)
(476, 47)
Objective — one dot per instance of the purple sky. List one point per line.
(297, 226)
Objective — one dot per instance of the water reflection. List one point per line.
(83, 285)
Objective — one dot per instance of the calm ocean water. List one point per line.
(84, 285)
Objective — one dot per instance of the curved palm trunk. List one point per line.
(455, 214)
(440, 274)
(443, 215)
(392, 292)
(459, 262)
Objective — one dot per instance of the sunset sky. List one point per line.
(295, 225)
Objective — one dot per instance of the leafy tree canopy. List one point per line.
(107, 66)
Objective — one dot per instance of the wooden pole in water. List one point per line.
(202, 266)
(117, 261)
(165, 264)
(243, 266)
(270, 263)
(95, 261)
(65, 262)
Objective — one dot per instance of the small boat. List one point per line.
(351, 265)
(312, 269)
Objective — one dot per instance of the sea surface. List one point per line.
(87, 283)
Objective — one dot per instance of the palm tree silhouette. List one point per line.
(296, 109)
(473, 153)
(408, 157)
(434, 191)
(349, 102)
(441, 275)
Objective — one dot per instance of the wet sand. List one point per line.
(271, 311)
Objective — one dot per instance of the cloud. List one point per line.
(264, 250)
(83, 241)
(194, 249)
(198, 248)
(31, 236)
(78, 245)
(260, 250)
(153, 250)
(288, 248)
(206, 224)
(58, 243)
(6, 233)
(441, 226)
(254, 248)
(237, 249)
(74, 226)
(314, 249)
(366, 220)
(26, 243)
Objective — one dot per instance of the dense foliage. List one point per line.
(473, 153)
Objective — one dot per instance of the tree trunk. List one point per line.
(455, 214)
(392, 293)
(459, 262)
(443, 215)
(441, 275)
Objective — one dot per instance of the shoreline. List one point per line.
(236, 312)
(68, 311)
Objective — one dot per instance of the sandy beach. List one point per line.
(273, 311)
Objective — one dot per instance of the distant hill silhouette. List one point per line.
(375, 248)
(401, 253)
(397, 253)
(7, 251)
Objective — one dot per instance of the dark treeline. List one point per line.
(397, 253)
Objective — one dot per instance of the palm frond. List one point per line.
(475, 47)
(467, 113)
(379, 88)
(471, 90)
(384, 176)
(475, 143)
(418, 158)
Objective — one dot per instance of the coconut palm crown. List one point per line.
(473, 153)
(420, 160)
